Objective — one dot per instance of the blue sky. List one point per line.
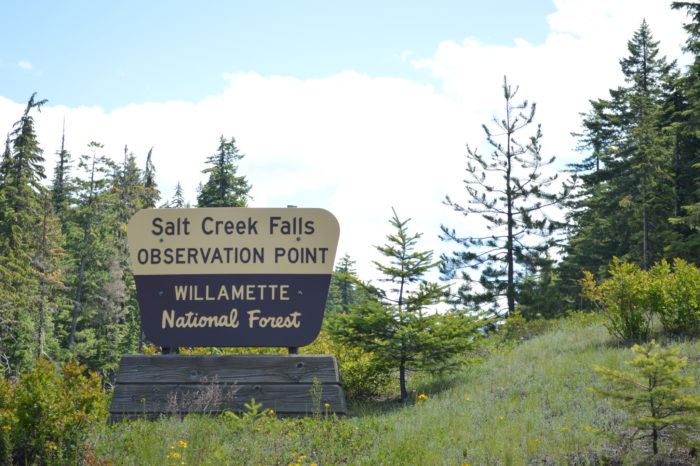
(110, 54)
(356, 107)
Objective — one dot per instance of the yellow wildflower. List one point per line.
(565, 428)
(500, 418)
(327, 405)
(467, 398)
(182, 444)
(422, 396)
(537, 440)
(6, 427)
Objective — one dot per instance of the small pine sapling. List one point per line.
(652, 394)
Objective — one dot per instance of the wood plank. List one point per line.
(248, 368)
(147, 399)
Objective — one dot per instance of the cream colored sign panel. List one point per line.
(230, 240)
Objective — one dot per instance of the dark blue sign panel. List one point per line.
(232, 310)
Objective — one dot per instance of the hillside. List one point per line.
(528, 404)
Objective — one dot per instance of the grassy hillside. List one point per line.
(528, 404)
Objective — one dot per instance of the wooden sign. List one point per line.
(232, 276)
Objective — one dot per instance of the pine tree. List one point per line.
(687, 161)
(6, 158)
(149, 181)
(29, 245)
(622, 204)
(61, 187)
(396, 327)
(48, 263)
(224, 188)
(96, 282)
(135, 190)
(509, 192)
(178, 198)
(344, 291)
(647, 149)
(652, 394)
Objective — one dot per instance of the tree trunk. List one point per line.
(510, 290)
(78, 296)
(402, 378)
(645, 226)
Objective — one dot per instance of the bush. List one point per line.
(362, 375)
(631, 297)
(517, 329)
(46, 414)
(675, 296)
(624, 299)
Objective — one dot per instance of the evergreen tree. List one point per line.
(509, 191)
(152, 193)
(61, 187)
(538, 290)
(647, 148)
(5, 162)
(343, 291)
(224, 188)
(178, 198)
(622, 205)
(48, 263)
(27, 271)
(135, 190)
(653, 394)
(96, 282)
(687, 162)
(396, 327)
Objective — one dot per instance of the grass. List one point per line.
(526, 405)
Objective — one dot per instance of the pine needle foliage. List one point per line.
(224, 188)
(509, 192)
(653, 394)
(397, 326)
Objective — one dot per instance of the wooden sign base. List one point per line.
(173, 384)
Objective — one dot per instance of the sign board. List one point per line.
(230, 276)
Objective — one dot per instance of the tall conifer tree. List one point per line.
(24, 266)
(509, 192)
(224, 188)
(622, 205)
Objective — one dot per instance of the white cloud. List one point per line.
(25, 65)
(358, 145)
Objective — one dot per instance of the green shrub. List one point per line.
(516, 328)
(362, 375)
(46, 414)
(624, 300)
(675, 296)
(631, 297)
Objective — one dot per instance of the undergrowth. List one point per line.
(523, 404)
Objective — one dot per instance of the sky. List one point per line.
(355, 107)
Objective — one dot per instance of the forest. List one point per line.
(68, 291)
